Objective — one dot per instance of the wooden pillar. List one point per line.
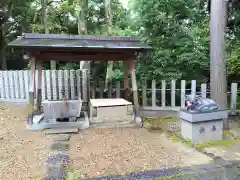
(39, 82)
(32, 83)
(126, 80)
(134, 88)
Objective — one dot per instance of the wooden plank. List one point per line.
(203, 90)
(101, 90)
(36, 82)
(26, 82)
(61, 130)
(21, 84)
(118, 89)
(183, 91)
(54, 84)
(11, 85)
(66, 83)
(173, 93)
(154, 93)
(48, 85)
(163, 92)
(144, 93)
(2, 85)
(72, 84)
(60, 84)
(79, 84)
(39, 85)
(6, 84)
(193, 87)
(16, 84)
(43, 84)
(93, 91)
(233, 106)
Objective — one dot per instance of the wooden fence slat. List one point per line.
(72, 83)
(16, 84)
(21, 81)
(193, 87)
(6, 84)
(118, 89)
(36, 83)
(144, 93)
(233, 106)
(48, 85)
(173, 93)
(79, 74)
(203, 90)
(163, 93)
(43, 84)
(66, 83)
(110, 89)
(183, 91)
(2, 94)
(11, 85)
(26, 74)
(54, 84)
(153, 93)
(60, 84)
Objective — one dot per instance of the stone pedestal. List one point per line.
(201, 127)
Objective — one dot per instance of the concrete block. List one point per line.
(59, 146)
(61, 137)
(61, 130)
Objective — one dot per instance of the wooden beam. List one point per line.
(39, 82)
(32, 83)
(82, 57)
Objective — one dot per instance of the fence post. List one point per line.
(54, 84)
(66, 83)
(233, 105)
(154, 93)
(183, 90)
(48, 84)
(173, 91)
(144, 93)
(11, 85)
(118, 89)
(93, 89)
(193, 87)
(163, 92)
(204, 90)
(60, 84)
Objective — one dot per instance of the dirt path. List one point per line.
(22, 152)
(100, 152)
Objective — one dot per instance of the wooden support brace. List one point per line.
(39, 82)
(32, 84)
(134, 88)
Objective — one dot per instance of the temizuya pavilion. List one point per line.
(46, 47)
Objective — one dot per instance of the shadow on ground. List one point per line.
(229, 171)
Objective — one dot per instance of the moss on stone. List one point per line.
(217, 143)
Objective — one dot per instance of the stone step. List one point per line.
(61, 137)
(61, 130)
(125, 124)
(59, 146)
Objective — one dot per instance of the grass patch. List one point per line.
(217, 143)
(172, 177)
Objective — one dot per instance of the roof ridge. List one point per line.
(79, 37)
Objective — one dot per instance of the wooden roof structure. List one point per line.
(79, 47)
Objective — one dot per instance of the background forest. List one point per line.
(178, 31)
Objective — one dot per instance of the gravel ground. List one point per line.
(119, 151)
(22, 152)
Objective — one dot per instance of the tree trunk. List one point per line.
(108, 14)
(218, 81)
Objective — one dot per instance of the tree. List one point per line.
(218, 53)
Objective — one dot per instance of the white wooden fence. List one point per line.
(161, 95)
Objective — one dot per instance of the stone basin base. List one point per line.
(202, 127)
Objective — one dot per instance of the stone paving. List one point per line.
(56, 164)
